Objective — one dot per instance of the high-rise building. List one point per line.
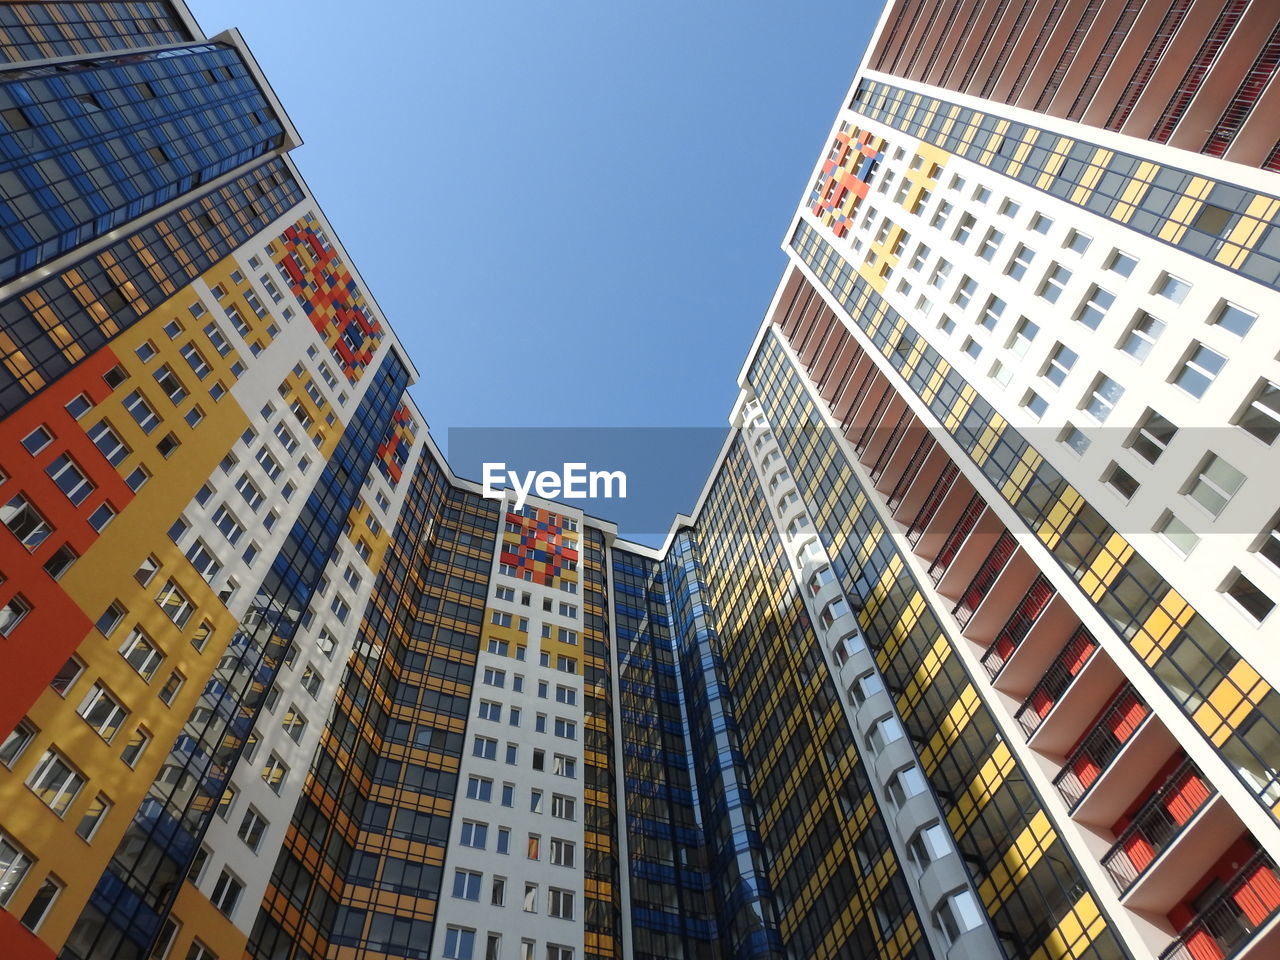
(966, 650)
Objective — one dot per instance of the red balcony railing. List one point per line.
(1224, 927)
(1079, 650)
(932, 502)
(968, 520)
(895, 437)
(1157, 824)
(923, 449)
(981, 583)
(1115, 727)
(1018, 625)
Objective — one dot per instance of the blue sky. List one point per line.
(569, 211)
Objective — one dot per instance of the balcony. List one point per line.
(992, 566)
(1231, 922)
(1055, 682)
(961, 526)
(1032, 601)
(1157, 824)
(1117, 725)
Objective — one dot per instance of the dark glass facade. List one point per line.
(89, 146)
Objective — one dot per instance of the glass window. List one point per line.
(1261, 416)
(1199, 370)
(1214, 484)
(1142, 336)
(1120, 480)
(1256, 604)
(1171, 288)
(1102, 398)
(1061, 360)
(1153, 436)
(55, 782)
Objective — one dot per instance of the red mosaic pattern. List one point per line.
(845, 178)
(542, 552)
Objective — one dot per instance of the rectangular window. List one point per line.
(1142, 336)
(14, 864)
(102, 712)
(143, 655)
(1256, 604)
(92, 819)
(1214, 484)
(25, 522)
(1061, 360)
(138, 408)
(560, 903)
(1054, 282)
(1120, 480)
(562, 852)
(466, 885)
(1153, 436)
(55, 782)
(1261, 416)
(1199, 370)
(16, 743)
(1095, 307)
(1020, 262)
(274, 773)
(1234, 319)
(226, 893)
(1102, 398)
(252, 828)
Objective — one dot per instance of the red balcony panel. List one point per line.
(929, 509)
(991, 567)
(1233, 902)
(963, 527)
(1019, 624)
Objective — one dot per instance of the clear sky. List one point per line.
(569, 211)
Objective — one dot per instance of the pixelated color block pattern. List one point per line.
(845, 178)
(541, 552)
(329, 295)
(393, 452)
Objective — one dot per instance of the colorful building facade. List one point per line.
(966, 649)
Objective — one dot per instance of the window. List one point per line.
(964, 293)
(1102, 398)
(1095, 307)
(1153, 436)
(490, 711)
(199, 951)
(92, 819)
(990, 243)
(1020, 262)
(1119, 480)
(176, 605)
(102, 712)
(1023, 335)
(907, 783)
(1199, 370)
(884, 732)
(560, 903)
(1142, 336)
(562, 807)
(108, 442)
(474, 834)
(1078, 242)
(228, 525)
(1171, 288)
(226, 893)
(566, 729)
(503, 845)
(1035, 403)
(530, 902)
(940, 274)
(991, 313)
(101, 517)
(64, 679)
(494, 677)
(1054, 282)
(55, 782)
(1234, 319)
(1256, 604)
(1261, 416)
(479, 788)
(137, 745)
(1214, 484)
(170, 385)
(564, 766)
(142, 654)
(294, 723)
(37, 440)
(566, 695)
(466, 885)
(14, 864)
(555, 952)
(25, 522)
(274, 773)
(1061, 360)
(12, 614)
(498, 892)
(60, 561)
(485, 748)
(17, 742)
(227, 801)
(965, 228)
(958, 914)
(138, 408)
(1121, 263)
(562, 852)
(311, 681)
